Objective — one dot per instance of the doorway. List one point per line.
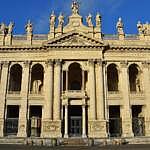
(75, 121)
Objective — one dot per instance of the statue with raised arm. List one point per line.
(75, 7)
(52, 19)
(29, 27)
(10, 28)
(119, 26)
(89, 20)
(60, 20)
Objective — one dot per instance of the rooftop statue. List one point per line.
(98, 20)
(60, 20)
(3, 28)
(75, 7)
(10, 28)
(89, 20)
(52, 19)
(119, 26)
(29, 27)
(143, 28)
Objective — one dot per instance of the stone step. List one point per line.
(75, 142)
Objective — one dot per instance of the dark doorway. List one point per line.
(11, 122)
(137, 120)
(115, 127)
(75, 121)
(35, 121)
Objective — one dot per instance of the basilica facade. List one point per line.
(75, 81)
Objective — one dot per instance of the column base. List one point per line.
(147, 126)
(97, 129)
(127, 128)
(84, 136)
(22, 129)
(66, 136)
(1, 127)
(51, 129)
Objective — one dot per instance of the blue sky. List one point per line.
(19, 11)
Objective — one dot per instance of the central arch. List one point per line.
(75, 77)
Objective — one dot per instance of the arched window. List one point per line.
(75, 77)
(112, 77)
(37, 76)
(134, 78)
(15, 78)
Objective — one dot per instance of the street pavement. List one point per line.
(122, 147)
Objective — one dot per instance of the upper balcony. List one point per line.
(74, 94)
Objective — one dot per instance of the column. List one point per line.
(84, 121)
(66, 80)
(23, 112)
(126, 108)
(92, 90)
(100, 91)
(3, 87)
(66, 121)
(146, 81)
(83, 80)
(57, 91)
(48, 89)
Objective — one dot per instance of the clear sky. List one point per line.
(19, 11)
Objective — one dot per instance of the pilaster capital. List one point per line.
(99, 62)
(145, 64)
(26, 64)
(5, 63)
(124, 64)
(49, 62)
(58, 62)
(91, 62)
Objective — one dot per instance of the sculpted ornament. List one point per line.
(29, 27)
(89, 20)
(52, 19)
(3, 28)
(10, 28)
(60, 20)
(75, 7)
(98, 20)
(119, 26)
(143, 28)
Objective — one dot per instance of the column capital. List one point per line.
(58, 62)
(5, 63)
(91, 62)
(99, 62)
(26, 63)
(124, 64)
(145, 64)
(49, 62)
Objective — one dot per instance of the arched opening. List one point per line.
(75, 77)
(37, 76)
(15, 78)
(134, 78)
(112, 77)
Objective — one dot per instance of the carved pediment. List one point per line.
(73, 39)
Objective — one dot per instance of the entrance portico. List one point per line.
(75, 120)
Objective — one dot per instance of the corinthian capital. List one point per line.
(58, 62)
(124, 64)
(5, 64)
(91, 62)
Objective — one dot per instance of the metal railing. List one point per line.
(115, 127)
(138, 126)
(11, 126)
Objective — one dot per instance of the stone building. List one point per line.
(75, 81)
